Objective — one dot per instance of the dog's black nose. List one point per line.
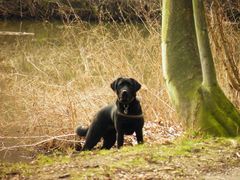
(124, 94)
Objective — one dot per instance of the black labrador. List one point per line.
(114, 121)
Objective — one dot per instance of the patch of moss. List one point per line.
(49, 160)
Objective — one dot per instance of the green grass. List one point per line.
(50, 160)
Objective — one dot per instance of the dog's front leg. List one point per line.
(119, 132)
(139, 134)
(120, 139)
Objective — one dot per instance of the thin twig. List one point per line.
(8, 33)
(38, 143)
(171, 108)
(35, 137)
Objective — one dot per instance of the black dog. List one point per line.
(114, 121)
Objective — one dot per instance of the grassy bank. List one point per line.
(185, 158)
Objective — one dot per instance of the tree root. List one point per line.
(217, 115)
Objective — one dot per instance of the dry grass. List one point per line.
(225, 43)
(49, 86)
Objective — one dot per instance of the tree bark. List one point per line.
(208, 70)
(180, 59)
(189, 72)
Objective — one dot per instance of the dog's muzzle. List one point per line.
(124, 96)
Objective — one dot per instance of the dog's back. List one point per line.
(104, 116)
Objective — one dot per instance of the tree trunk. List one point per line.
(189, 71)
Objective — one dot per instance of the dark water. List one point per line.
(41, 29)
(43, 32)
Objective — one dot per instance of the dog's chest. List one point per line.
(128, 126)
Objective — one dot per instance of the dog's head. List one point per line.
(126, 89)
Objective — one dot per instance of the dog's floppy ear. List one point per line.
(114, 84)
(137, 85)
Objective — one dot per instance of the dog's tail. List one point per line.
(80, 131)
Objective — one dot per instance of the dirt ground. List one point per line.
(184, 158)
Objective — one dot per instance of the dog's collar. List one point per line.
(133, 98)
(125, 106)
(129, 115)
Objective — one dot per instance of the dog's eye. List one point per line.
(124, 84)
(121, 83)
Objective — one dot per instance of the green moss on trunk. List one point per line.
(189, 71)
(181, 65)
(217, 114)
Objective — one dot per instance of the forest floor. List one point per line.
(183, 158)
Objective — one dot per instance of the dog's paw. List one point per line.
(78, 147)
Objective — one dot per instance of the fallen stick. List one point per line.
(35, 137)
(39, 142)
(8, 33)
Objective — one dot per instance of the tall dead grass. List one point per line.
(50, 86)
